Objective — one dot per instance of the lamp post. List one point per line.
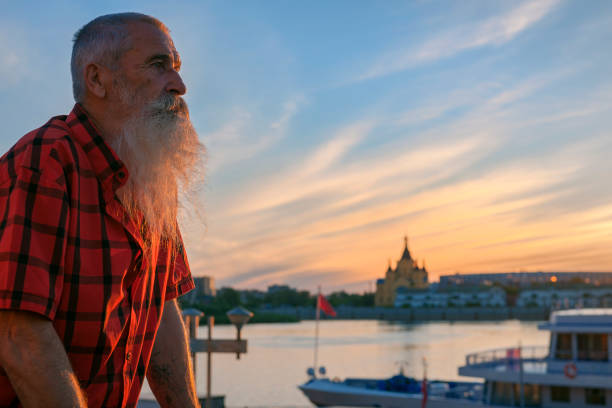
(239, 316)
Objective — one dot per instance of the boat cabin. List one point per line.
(574, 370)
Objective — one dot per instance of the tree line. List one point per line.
(227, 298)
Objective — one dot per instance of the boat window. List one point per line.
(592, 346)
(560, 394)
(595, 396)
(564, 346)
(509, 394)
(502, 393)
(533, 397)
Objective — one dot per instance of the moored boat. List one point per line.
(574, 370)
(395, 392)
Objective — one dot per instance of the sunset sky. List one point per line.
(480, 129)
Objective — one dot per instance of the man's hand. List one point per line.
(36, 363)
(170, 375)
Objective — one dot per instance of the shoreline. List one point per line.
(418, 314)
(289, 314)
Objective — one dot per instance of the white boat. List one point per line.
(363, 392)
(573, 371)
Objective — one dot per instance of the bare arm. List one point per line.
(170, 374)
(36, 363)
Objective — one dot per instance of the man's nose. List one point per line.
(175, 84)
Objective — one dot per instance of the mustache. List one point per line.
(168, 103)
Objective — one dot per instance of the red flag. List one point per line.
(513, 354)
(325, 306)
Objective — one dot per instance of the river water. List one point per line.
(279, 354)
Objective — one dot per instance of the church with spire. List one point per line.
(407, 274)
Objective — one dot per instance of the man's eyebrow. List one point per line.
(166, 58)
(177, 60)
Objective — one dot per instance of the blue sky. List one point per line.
(481, 129)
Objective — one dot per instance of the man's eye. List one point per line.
(159, 64)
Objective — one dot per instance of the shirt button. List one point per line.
(128, 357)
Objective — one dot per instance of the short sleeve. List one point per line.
(179, 280)
(33, 231)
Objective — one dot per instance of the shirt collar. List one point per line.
(111, 171)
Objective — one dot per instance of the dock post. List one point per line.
(192, 321)
(211, 323)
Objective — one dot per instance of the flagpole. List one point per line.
(316, 345)
(424, 385)
(521, 376)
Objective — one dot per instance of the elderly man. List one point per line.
(91, 259)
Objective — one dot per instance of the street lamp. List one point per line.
(239, 316)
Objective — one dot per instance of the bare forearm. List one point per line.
(36, 363)
(170, 374)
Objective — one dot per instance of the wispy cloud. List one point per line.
(359, 241)
(334, 149)
(441, 151)
(305, 177)
(247, 134)
(14, 61)
(494, 31)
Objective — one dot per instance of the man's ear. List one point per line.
(96, 77)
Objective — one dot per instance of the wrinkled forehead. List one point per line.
(147, 39)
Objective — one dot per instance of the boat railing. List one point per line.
(508, 355)
(539, 360)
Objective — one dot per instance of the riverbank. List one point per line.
(262, 316)
(290, 314)
(417, 315)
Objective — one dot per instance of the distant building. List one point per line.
(566, 298)
(204, 287)
(491, 297)
(523, 279)
(251, 295)
(278, 288)
(406, 274)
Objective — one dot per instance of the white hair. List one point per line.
(164, 159)
(103, 41)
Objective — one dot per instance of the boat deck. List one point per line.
(538, 367)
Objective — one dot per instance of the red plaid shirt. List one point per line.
(69, 252)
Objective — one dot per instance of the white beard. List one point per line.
(164, 159)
